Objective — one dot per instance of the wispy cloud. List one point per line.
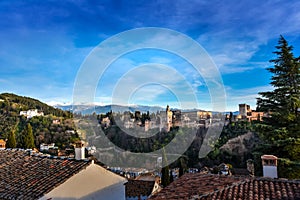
(43, 45)
(245, 95)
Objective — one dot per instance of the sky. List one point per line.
(45, 44)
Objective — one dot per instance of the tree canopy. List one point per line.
(280, 130)
(28, 137)
(283, 102)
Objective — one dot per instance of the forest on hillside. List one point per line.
(56, 126)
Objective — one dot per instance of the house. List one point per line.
(46, 147)
(211, 187)
(37, 176)
(2, 144)
(55, 121)
(140, 189)
(31, 113)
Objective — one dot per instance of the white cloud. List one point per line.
(245, 95)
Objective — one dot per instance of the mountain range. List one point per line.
(89, 109)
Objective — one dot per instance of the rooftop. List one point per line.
(212, 187)
(24, 176)
(136, 188)
(269, 157)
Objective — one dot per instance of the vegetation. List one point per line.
(232, 129)
(280, 131)
(165, 174)
(27, 138)
(27, 133)
(11, 140)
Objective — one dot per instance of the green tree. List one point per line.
(171, 176)
(28, 137)
(182, 166)
(11, 140)
(280, 130)
(165, 175)
(283, 102)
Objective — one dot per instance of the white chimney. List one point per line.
(269, 163)
(79, 150)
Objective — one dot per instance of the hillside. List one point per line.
(16, 103)
(55, 126)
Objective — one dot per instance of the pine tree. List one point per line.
(11, 140)
(28, 137)
(280, 130)
(283, 102)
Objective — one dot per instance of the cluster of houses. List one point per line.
(28, 174)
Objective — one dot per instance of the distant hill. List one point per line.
(15, 104)
(62, 132)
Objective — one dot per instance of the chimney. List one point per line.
(269, 163)
(79, 150)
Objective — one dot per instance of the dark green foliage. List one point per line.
(18, 103)
(288, 169)
(283, 102)
(165, 174)
(28, 137)
(181, 170)
(171, 177)
(182, 165)
(281, 130)
(11, 140)
(232, 130)
(43, 128)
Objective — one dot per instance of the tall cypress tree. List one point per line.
(28, 137)
(11, 140)
(165, 174)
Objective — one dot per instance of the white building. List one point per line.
(46, 147)
(31, 113)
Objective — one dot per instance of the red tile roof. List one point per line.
(137, 188)
(213, 187)
(30, 177)
(269, 157)
(257, 189)
(190, 185)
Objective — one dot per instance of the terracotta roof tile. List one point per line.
(30, 177)
(134, 188)
(213, 187)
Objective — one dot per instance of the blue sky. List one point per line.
(44, 43)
